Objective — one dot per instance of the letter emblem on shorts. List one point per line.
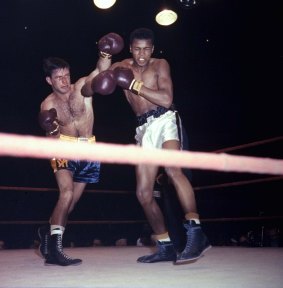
(62, 163)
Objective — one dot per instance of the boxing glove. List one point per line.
(110, 44)
(104, 83)
(48, 121)
(126, 80)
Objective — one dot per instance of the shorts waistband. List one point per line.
(77, 139)
(142, 119)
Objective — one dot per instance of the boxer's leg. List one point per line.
(197, 242)
(145, 181)
(58, 220)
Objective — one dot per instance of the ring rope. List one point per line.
(75, 222)
(42, 147)
(41, 189)
(31, 222)
(239, 183)
(223, 185)
(256, 143)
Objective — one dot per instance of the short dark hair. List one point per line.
(52, 63)
(142, 33)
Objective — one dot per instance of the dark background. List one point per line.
(226, 65)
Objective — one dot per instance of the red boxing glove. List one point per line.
(104, 83)
(126, 80)
(48, 121)
(110, 44)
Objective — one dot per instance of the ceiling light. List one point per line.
(104, 4)
(166, 17)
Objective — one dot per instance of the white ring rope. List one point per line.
(43, 147)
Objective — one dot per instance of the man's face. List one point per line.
(141, 51)
(60, 80)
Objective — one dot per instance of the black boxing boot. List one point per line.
(197, 242)
(165, 252)
(56, 256)
(44, 236)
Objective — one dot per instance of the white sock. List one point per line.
(165, 240)
(196, 221)
(57, 229)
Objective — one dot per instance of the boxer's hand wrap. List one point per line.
(136, 86)
(105, 55)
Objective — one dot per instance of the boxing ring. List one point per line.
(222, 266)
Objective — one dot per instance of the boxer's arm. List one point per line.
(84, 84)
(164, 95)
(102, 65)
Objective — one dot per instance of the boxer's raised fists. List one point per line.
(110, 44)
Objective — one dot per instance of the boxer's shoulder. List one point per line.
(126, 63)
(48, 101)
(158, 61)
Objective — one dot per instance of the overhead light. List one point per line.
(104, 4)
(166, 17)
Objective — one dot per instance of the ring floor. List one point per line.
(220, 267)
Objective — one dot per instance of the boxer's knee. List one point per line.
(66, 197)
(173, 172)
(144, 196)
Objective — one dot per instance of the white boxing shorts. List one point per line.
(158, 129)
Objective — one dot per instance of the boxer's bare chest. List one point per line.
(71, 110)
(149, 78)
